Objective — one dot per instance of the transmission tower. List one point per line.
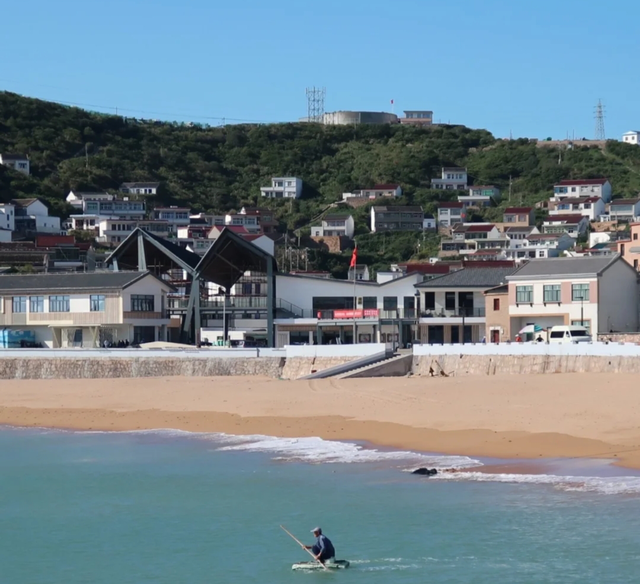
(599, 121)
(315, 104)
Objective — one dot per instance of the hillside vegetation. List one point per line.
(218, 169)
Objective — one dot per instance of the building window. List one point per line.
(635, 264)
(580, 292)
(429, 301)
(450, 300)
(142, 303)
(96, 302)
(635, 236)
(390, 303)
(36, 304)
(58, 304)
(552, 293)
(369, 302)
(496, 304)
(19, 304)
(524, 294)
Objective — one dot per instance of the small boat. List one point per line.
(332, 565)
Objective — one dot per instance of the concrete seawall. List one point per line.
(106, 368)
(462, 365)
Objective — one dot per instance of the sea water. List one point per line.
(171, 507)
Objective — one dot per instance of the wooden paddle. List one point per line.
(303, 547)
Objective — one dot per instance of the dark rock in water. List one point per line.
(425, 471)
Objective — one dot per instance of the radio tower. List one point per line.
(600, 121)
(315, 104)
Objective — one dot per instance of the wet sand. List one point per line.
(505, 417)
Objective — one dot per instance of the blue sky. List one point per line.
(535, 68)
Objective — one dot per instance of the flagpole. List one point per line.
(355, 340)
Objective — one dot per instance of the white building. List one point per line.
(591, 207)
(452, 306)
(538, 246)
(623, 211)
(599, 293)
(5, 235)
(375, 192)
(329, 310)
(574, 225)
(452, 179)
(631, 137)
(85, 309)
(139, 188)
(429, 222)
(451, 213)
(18, 162)
(401, 218)
(175, 216)
(335, 226)
(480, 196)
(593, 187)
(287, 187)
(114, 230)
(120, 208)
(76, 198)
(8, 216)
(32, 215)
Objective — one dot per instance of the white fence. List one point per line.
(140, 353)
(358, 350)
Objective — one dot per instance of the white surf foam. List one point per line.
(618, 485)
(316, 450)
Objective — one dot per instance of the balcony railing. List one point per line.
(458, 313)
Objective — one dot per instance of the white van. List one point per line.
(569, 334)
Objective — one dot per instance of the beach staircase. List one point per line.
(397, 365)
(384, 364)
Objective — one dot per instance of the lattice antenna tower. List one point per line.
(315, 103)
(600, 121)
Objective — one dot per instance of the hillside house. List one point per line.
(32, 216)
(480, 196)
(18, 162)
(452, 179)
(401, 218)
(591, 207)
(451, 213)
(632, 137)
(574, 225)
(140, 188)
(375, 192)
(334, 225)
(287, 187)
(594, 187)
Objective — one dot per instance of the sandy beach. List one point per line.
(546, 416)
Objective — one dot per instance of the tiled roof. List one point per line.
(70, 281)
(624, 202)
(408, 209)
(517, 210)
(479, 228)
(385, 187)
(470, 278)
(564, 218)
(9, 156)
(584, 181)
(482, 186)
(24, 202)
(564, 266)
(140, 185)
(450, 205)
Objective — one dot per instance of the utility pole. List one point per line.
(510, 187)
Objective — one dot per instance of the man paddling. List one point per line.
(323, 549)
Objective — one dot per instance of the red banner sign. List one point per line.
(351, 314)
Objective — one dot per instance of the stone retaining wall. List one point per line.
(105, 368)
(463, 365)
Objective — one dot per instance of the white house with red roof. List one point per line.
(450, 213)
(590, 207)
(623, 210)
(575, 224)
(538, 246)
(518, 216)
(470, 238)
(589, 187)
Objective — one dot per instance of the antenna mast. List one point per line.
(315, 104)
(600, 121)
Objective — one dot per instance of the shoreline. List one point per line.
(565, 417)
(506, 456)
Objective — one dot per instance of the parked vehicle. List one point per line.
(569, 334)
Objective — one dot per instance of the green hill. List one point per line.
(222, 168)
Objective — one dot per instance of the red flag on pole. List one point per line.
(354, 257)
(391, 102)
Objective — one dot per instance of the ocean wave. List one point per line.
(619, 485)
(318, 450)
